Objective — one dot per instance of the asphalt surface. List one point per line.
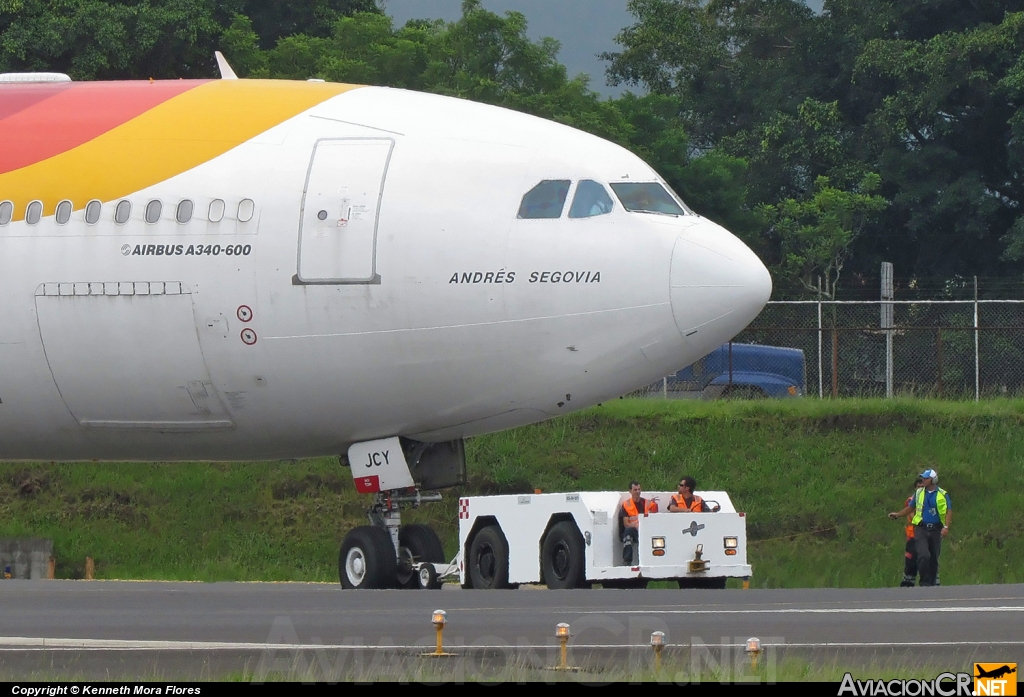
(154, 630)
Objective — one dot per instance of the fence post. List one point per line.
(977, 372)
(821, 366)
(835, 361)
(887, 322)
(938, 359)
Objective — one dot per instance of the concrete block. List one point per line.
(27, 558)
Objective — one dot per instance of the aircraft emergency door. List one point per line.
(340, 208)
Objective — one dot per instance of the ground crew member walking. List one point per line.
(910, 551)
(933, 512)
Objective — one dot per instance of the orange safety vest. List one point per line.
(696, 505)
(631, 509)
(910, 519)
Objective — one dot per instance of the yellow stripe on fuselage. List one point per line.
(177, 135)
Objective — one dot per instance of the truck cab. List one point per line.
(742, 370)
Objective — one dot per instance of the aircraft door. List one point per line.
(340, 208)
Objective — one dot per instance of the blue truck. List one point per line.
(742, 371)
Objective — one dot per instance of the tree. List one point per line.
(816, 234)
(131, 39)
(96, 40)
(273, 20)
(731, 63)
(948, 131)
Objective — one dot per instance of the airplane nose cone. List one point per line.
(718, 285)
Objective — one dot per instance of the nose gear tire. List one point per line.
(367, 559)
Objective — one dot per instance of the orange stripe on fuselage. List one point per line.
(59, 117)
(180, 133)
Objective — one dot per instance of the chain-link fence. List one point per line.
(952, 349)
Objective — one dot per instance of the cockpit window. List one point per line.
(591, 199)
(546, 200)
(646, 197)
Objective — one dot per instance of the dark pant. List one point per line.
(630, 542)
(928, 540)
(910, 563)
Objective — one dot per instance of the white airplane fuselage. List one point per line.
(365, 276)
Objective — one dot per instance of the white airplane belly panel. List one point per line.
(126, 355)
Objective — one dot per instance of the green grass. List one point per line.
(816, 479)
(674, 670)
(679, 667)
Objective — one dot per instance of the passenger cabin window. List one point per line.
(34, 212)
(591, 199)
(646, 197)
(216, 210)
(184, 212)
(6, 212)
(122, 212)
(246, 208)
(546, 200)
(92, 212)
(63, 214)
(153, 210)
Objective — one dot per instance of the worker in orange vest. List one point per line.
(629, 522)
(910, 553)
(688, 502)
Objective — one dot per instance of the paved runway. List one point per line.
(189, 630)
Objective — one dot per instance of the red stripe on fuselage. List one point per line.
(47, 119)
(16, 98)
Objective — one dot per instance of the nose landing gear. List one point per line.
(386, 554)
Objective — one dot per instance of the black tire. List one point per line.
(714, 583)
(563, 557)
(416, 543)
(426, 579)
(488, 559)
(367, 559)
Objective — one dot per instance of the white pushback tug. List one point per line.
(563, 540)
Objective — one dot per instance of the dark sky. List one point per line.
(585, 28)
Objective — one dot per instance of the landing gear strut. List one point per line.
(386, 554)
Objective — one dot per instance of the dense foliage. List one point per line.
(877, 130)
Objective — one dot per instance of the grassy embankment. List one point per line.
(678, 667)
(816, 479)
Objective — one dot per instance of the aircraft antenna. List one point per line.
(226, 73)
